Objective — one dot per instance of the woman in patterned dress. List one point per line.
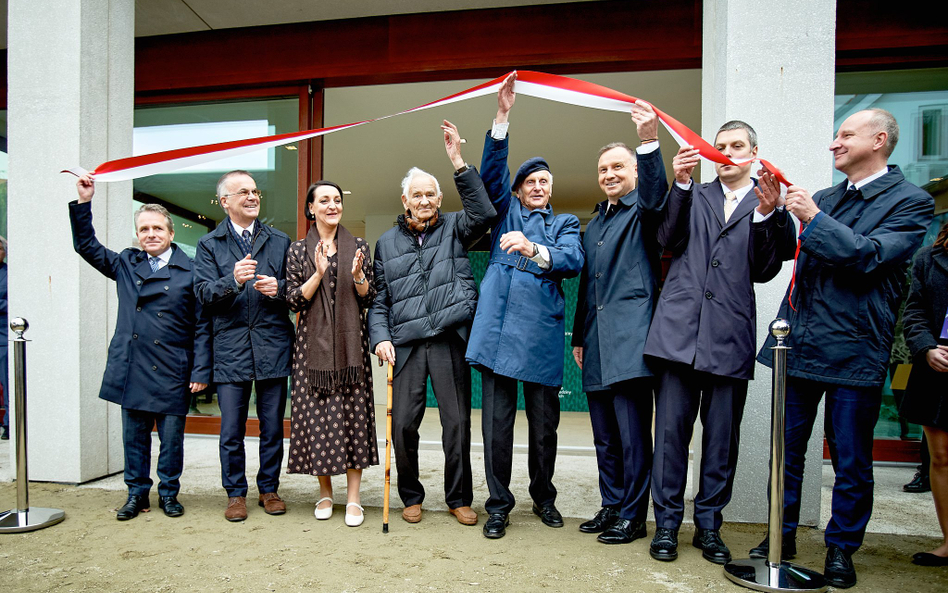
(329, 282)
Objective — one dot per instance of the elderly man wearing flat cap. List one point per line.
(519, 328)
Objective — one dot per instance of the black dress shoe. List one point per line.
(549, 515)
(787, 551)
(711, 546)
(928, 559)
(134, 505)
(838, 570)
(623, 531)
(496, 526)
(664, 545)
(919, 484)
(601, 522)
(171, 506)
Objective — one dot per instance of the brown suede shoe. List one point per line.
(412, 514)
(236, 508)
(465, 515)
(272, 503)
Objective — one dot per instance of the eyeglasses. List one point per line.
(244, 193)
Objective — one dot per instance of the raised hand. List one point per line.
(767, 192)
(684, 163)
(86, 188)
(506, 97)
(452, 144)
(646, 121)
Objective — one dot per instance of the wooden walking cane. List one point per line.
(388, 453)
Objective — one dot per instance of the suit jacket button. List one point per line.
(723, 234)
(708, 295)
(139, 282)
(599, 308)
(598, 274)
(134, 336)
(715, 263)
(138, 308)
(599, 243)
(157, 342)
(159, 315)
(154, 368)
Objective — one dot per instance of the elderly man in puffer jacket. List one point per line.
(421, 320)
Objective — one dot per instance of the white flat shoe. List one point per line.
(323, 514)
(354, 520)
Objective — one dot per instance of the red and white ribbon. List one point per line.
(535, 84)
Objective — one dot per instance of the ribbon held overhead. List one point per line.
(534, 84)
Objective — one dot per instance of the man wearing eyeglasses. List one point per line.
(240, 279)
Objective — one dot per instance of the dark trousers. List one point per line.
(136, 440)
(622, 432)
(682, 396)
(499, 410)
(850, 418)
(234, 401)
(442, 359)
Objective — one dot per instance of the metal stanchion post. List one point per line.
(771, 574)
(23, 518)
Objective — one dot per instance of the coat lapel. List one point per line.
(830, 201)
(259, 241)
(715, 200)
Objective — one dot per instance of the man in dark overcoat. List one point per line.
(855, 247)
(240, 279)
(725, 236)
(160, 352)
(617, 291)
(421, 319)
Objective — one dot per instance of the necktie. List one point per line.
(246, 237)
(154, 263)
(730, 203)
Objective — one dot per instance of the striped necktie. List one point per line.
(154, 263)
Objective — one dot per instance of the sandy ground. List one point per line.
(91, 551)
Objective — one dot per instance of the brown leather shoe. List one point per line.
(236, 508)
(465, 515)
(412, 514)
(272, 503)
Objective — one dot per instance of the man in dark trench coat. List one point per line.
(160, 352)
(725, 236)
(614, 308)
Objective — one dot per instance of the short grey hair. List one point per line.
(157, 209)
(415, 172)
(736, 124)
(612, 145)
(883, 121)
(228, 175)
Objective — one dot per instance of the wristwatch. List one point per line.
(463, 168)
(360, 283)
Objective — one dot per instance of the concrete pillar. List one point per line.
(773, 66)
(70, 102)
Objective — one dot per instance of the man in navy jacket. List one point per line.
(160, 352)
(725, 236)
(617, 292)
(240, 278)
(857, 240)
